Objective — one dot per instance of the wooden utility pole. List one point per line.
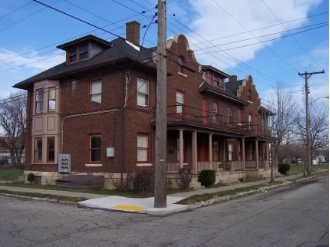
(308, 166)
(161, 111)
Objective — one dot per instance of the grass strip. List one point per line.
(209, 196)
(44, 196)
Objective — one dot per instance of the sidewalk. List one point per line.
(146, 205)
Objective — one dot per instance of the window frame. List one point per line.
(230, 151)
(50, 150)
(91, 94)
(229, 115)
(78, 53)
(39, 101)
(93, 149)
(181, 62)
(249, 121)
(215, 112)
(145, 149)
(37, 153)
(50, 89)
(141, 93)
(179, 105)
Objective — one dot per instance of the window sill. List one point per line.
(179, 73)
(93, 165)
(143, 164)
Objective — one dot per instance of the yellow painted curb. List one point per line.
(128, 208)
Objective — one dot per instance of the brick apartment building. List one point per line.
(99, 107)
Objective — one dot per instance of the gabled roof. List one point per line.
(120, 50)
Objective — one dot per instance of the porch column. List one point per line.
(257, 154)
(181, 147)
(224, 142)
(210, 152)
(194, 152)
(267, 156)
(243, 153)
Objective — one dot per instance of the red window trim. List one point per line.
(89, 148)
(78, 53)
(36, 101)
(35, 149)
(89, 94)
(148, 148)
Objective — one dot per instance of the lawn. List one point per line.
(297, 169)
(10, 174)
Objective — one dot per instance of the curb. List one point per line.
(242, 194)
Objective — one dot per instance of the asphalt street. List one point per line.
(292, 215)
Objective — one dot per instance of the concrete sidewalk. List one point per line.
(146, 205)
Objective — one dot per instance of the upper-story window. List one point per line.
(39, 96)
(95, 94)
(181, 65)
(51, 99)
(249, 95)
(142, 92)
(249, 121)
(230, 115)
(78, 53)
(214, 79)
(214, 111)
(179, 102)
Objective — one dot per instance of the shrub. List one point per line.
(144, 180)
(207, 177)
(283, 168)
(185, 177)
(30, 177)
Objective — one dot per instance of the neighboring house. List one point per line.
(99, 107)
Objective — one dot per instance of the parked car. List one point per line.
(4, 160)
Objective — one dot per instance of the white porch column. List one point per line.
(243, 152)
(210, 152)
(181, 147)
(194, 152)
(257, 154)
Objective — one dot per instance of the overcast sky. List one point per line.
(270, 40)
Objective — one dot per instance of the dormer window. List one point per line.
(78, 53)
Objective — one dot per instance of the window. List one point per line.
(78, 53)
(40, 100)
(239, 116)
(215, 81)
(249, 95)
(229, 114)
(38, 149)
(179, 102)
(180, 65)
(249, 121)
(72, 55)
(178, 149)
(83, 52)
(50, 149)
(142, 92)
(95, 148)
(250, 152)
(142, 148)
(230, 152)
(215, 149)
(51, 98)
(214, 111)
(95, 90)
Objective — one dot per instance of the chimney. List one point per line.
(232, 78)
(133, 32)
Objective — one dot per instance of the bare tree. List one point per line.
(281, 124)
(319, 128)
(13, 125)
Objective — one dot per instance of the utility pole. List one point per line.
(161, 111)
(308, 167)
